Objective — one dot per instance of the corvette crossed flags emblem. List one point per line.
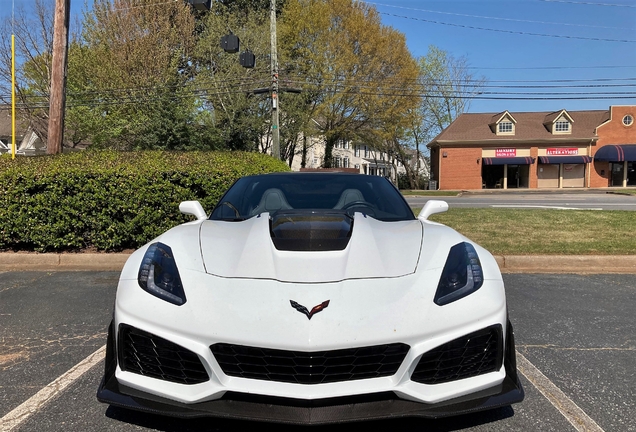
(302, 309)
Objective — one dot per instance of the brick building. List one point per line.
(536, 150)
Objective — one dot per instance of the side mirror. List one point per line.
(432, 207)
(193, 208)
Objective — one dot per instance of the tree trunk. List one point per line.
(330, 142)
(303, 160)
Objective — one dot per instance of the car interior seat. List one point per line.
(348, 196)
(272, 200)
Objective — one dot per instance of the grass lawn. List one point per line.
(627, 191)
(559, 232)
(429, 193)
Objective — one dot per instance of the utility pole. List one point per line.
(58, 77)
(274, 63)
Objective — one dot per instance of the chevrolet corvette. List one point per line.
(310, 298)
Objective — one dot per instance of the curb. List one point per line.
(16, 261)
(579, 264)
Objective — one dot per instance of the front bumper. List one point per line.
(318, 411)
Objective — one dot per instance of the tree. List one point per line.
(129, 76)
(239, 98)
(447, 88)
(226, 88)
(359, 72)
(34, 46)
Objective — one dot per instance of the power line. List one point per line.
(145, 5)
(263, 80)
(385, 92)
(498, 18)
(552, 67)
(565, 83)
(588, 3)
(149, 93)
(511, 31)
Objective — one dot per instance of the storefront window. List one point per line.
(518, 176)
(617, 174)
(573, 175)
(631, 173)
(492, 176)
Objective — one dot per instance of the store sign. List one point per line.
(562, 151)
(505, 152)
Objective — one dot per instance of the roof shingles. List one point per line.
(529, 127)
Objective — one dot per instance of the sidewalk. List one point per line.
(522, 191)
(579, 264)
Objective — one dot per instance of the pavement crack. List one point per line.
(560, 348)
(16, 350)
(22, 283)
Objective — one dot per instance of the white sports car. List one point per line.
(311, 298)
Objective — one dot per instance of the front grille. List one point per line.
(468, 356)
(146, 354)
(309, 367)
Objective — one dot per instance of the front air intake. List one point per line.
(316, 367)
(146, 354)
(468, 356)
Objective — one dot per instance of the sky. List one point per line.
(529, 51)
(587, 43)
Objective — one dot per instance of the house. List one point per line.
(560, 149)
(28, 143)
(361, 157)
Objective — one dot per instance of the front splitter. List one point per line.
(323, 411)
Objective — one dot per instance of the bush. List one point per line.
(111, 200)
(404, 182)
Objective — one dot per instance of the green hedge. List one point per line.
(111, 200)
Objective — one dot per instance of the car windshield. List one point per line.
(312, 193)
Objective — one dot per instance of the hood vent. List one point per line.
(310, 231)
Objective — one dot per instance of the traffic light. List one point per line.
(247, 59)
(230, 43)
(202, 5)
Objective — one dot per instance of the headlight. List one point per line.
(462, 274)
(159, 276)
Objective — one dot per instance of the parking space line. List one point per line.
(575, 415)
(36, 402)
(571, 411)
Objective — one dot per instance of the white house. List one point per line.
(361, 157)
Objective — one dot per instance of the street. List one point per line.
(576, 331)
(520, 200)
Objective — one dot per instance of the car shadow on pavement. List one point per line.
(171, 424)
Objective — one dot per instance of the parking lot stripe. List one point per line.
(36, 402)
(571, 411)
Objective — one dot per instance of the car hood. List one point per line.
(245, 250)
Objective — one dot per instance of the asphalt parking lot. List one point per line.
(577, 331)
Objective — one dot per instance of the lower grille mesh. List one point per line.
(468, 356)
(309, 367)
(146, 354)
